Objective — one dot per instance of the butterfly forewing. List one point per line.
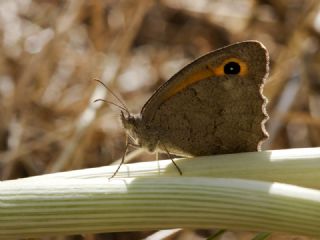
(207, 109)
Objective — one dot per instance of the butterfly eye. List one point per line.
(232, 68)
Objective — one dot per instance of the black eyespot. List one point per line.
(232, 68)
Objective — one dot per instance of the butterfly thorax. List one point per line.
(139, 131)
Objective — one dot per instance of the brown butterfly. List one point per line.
(214, 105)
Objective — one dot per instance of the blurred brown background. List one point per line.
(50, 52)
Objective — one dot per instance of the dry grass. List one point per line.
(50, 52)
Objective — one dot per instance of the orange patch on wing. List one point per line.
(193, 78)
(219, 71)
(209, 71)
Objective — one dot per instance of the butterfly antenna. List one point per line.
(112, 103)
(113, 94)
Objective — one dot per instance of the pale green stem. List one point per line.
(82, 202)
(69, 206)
(294, 166)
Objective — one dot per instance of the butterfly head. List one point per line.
(139, 131)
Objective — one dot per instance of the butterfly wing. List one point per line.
(207, 109)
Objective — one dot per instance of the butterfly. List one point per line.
(214, 105)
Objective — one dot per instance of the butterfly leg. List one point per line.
(169, 155)
(128, 144)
